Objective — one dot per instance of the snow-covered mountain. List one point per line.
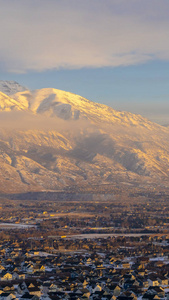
(9, 104)
(11, 87)
(51, 139)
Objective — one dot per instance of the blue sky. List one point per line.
(113, 51)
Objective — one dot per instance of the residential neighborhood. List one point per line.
(122, 268)
(113, 249)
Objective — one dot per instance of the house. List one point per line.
(152, 280)
(148, 296)
(27, 296)
(22, 288)
(7, 296)
(116, 289)
(156, 290)
(34, 289)
(4, 276)
(128, 284)
(130, 294)
(162, 280)
(97, 288)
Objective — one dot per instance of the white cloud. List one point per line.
(46, 34)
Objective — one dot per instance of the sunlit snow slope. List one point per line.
(51, 139)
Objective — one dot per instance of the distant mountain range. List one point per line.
(53, 140)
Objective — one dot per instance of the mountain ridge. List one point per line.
(56, 139)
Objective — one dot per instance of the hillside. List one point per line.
(52, 140)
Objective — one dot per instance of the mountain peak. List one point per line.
(69, 106)
(11, 87)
